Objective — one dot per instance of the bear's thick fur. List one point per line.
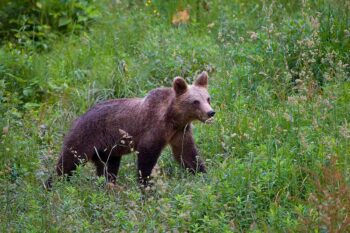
(116, 127)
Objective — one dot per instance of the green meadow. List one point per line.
(277, 155)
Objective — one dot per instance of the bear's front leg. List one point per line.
(148, 154)
(185, 151)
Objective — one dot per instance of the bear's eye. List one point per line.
(208, 100)
(196, 102)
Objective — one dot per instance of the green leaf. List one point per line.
(82, 18)
(39, 5)
(63, 21)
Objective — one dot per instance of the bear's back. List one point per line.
(133, 115)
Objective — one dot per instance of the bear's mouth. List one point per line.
(209, 120)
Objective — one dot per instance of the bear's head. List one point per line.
(193, 101)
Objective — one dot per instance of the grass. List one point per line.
(279, 80)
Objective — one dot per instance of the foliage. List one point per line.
(32, 23)
(279, 80)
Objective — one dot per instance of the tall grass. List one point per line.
(279, 80)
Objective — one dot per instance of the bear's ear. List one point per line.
(180, 86)
(202, 80)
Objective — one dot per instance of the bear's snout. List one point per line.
(211, 113)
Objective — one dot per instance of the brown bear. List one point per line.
(116, 127)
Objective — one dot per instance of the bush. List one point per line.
(30, 23)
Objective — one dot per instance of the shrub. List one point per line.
(33, 22)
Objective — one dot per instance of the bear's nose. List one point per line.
(211, 113)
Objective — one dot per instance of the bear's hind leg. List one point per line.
(67, 163)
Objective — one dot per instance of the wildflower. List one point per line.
(253, 35)
(327, 104)
(294, 100)
(347, 33)
(310, 43)
(288, 117)
(345, 130)
(326, 76)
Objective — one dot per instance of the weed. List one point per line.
(329, 204)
